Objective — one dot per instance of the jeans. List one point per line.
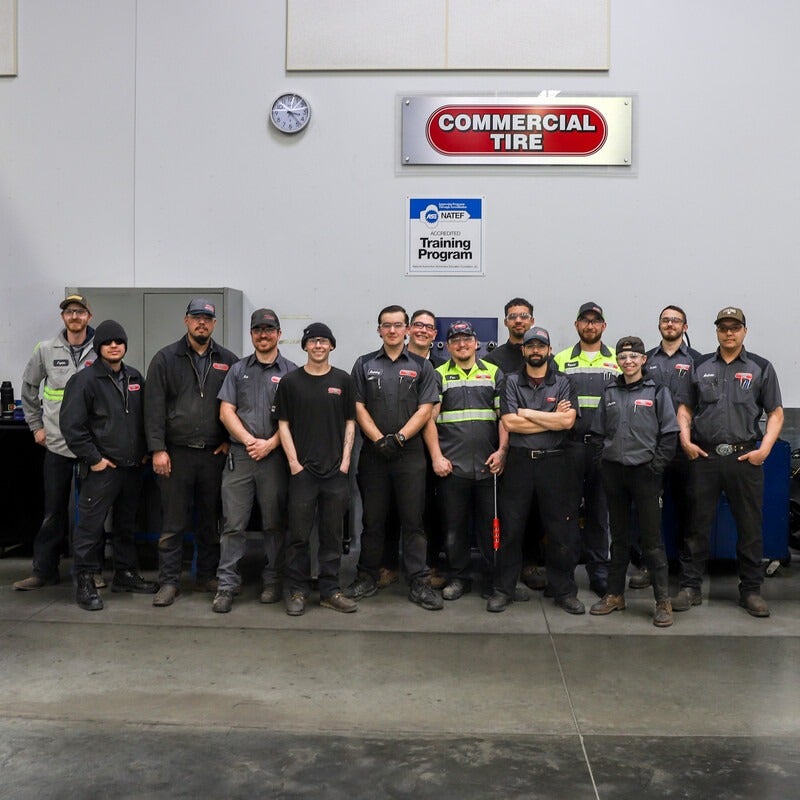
(324, 500)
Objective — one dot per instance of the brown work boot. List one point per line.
(386, 577)
(338, 602)
(755, 605)
(166, 595)
(686, 598)
(437, 580)
(662, 618)
(35, 582)
(609, 603)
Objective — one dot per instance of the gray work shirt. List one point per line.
(392, 391)
(727, 400)
(251, 386)
(633, 419)
(673, 371)
(518, 392)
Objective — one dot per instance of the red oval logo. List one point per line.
(520, 130)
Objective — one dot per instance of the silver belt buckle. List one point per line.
(724, 449)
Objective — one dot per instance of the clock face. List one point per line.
(290, 113)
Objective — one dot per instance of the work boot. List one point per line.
(206, 585)
(534, 577)
(295, 604)
(338, 602)
(425, 596)
(166, 595)
(455, 589)
(386, 577)
(640, 579)
(571, 604)
(498, 602)
(35, 582)
(755, 605)
(609, 603)
(129, 581)
(222, 602)
(86, 594)
(436, 579)
(662, 618)
(271, 593)
(686, 598)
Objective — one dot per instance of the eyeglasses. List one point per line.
(730, 328)
(673, 320)
(76, 312)
(592, 321)
(318, 341)
(113, 341)
(387, 326)
(512, 317)
(263, 331)
(629, 356)
(423, 326)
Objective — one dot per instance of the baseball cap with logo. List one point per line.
(631, 344)
(460, 328)
(264, 318)
(75, 298)
(536, 334)
(730, 312)
(590, 307)
(201, 307)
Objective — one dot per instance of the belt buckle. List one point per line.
(535, 454)
(724, 449)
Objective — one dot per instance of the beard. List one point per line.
(536, 360)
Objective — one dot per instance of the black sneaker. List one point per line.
(86, 594)
(362, 586)
(129, 581)
(425, 596)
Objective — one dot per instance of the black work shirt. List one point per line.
(392, 391)
(727, 400)
(673, 371)
(507, 356)
(519, 393)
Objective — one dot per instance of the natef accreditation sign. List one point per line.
(445, 237)
(586, 131)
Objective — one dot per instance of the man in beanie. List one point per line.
(316, 413)
(189, 445)
(635, 432)
(103, 424)
(722, 438)
(52, 364)
(257, 468)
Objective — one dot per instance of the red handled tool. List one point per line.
(495, 523)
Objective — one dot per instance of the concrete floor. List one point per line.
(394, 701)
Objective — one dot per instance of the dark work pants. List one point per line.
(465, 503)
(378, 479)
(626, 486)
(57, 471)
(594, 534)
(743, 484)
(676, 481)
(550, 481)
(324, 500)
(194, 484)
(119, 489)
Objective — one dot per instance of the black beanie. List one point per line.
(317, 330)
(108, 330)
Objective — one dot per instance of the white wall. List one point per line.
(134, 150)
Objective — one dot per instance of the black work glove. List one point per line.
(390, 446)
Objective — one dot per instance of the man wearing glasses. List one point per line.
(256, 466)
(590, 364)
(518, 318)
(670, 364)
(421, 333)
(395, 393)
(52, 364)
(721, 436)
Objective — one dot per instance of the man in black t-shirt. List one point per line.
(315, 409)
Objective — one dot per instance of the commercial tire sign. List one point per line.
(593, 131)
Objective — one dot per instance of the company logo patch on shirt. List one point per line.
(334, 390)
(552, 399)
(483, 377)
(276, 378)
(221, 367)
(682, 369)
(408, 373)
(610, 365)
(60, 362)
(88, 364)
(744, 378)
(134, 387)
(643, 402)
